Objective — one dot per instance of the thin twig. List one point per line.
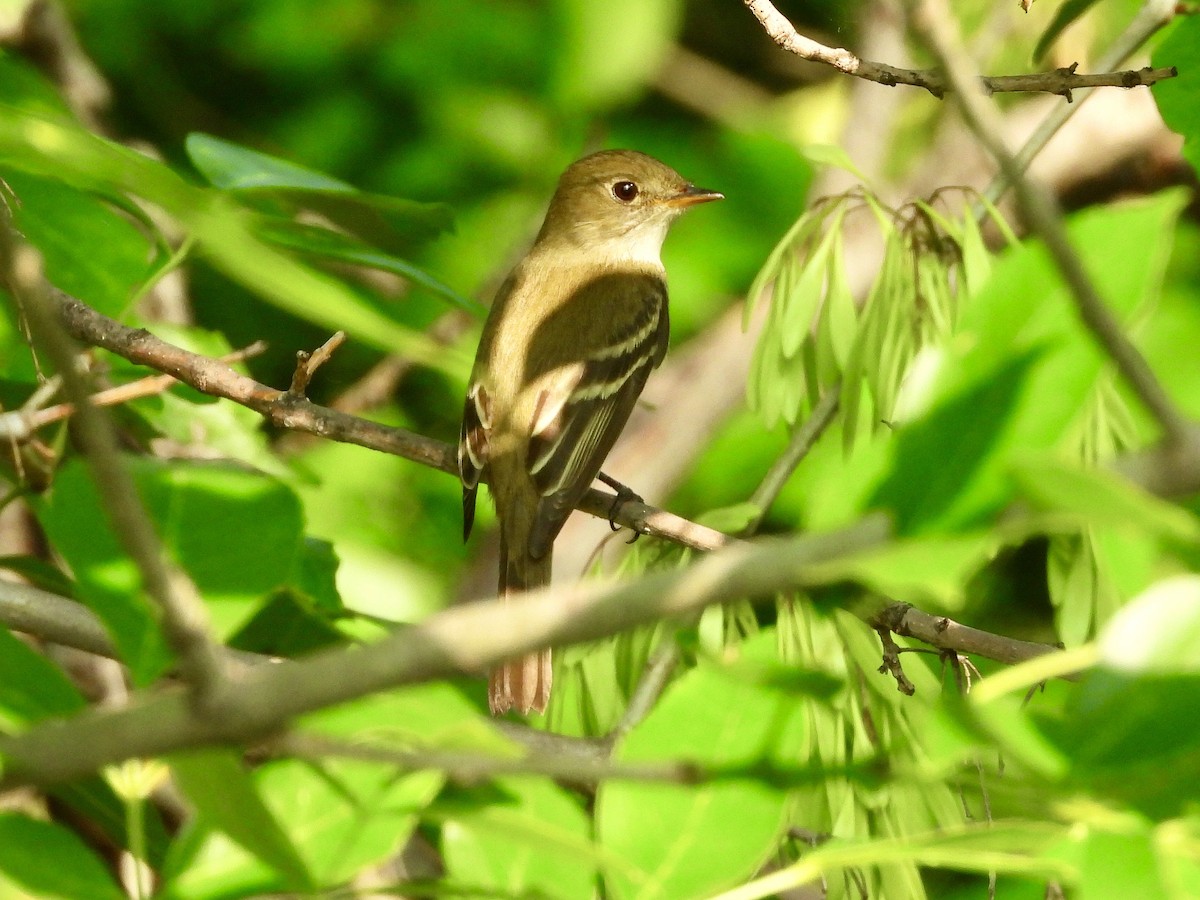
(1059, 81)
(803, 440)
(933, 22)
(149, 386)
(307, 363)
(946, 634)
(472, 767)
(891, 661)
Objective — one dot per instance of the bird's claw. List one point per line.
(623, 496)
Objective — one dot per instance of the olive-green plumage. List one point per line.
(571, 338)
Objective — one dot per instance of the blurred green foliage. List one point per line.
(377, 166)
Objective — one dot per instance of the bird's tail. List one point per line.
(524, 683)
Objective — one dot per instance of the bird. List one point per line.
(571, 337)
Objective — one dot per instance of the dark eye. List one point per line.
(625, 191)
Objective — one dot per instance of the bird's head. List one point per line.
(619, 203)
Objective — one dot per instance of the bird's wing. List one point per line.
(579, 416)
(473, 449)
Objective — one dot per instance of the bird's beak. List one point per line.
(691, 195)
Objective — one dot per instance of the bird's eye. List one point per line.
(625, 191)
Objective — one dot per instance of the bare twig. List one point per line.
(891, 661)
(473, 767)
(933, 22)
(184, 616)
(1060, 81)
(802, 442)
(20, 424)
(946, 634)
(307, 363)
(53, 618)
(1153, 15)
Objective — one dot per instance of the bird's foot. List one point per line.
(624, 495)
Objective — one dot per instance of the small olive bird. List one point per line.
(570, 340)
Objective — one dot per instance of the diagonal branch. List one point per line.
(184, 616)
(933, 22)
(461, 640)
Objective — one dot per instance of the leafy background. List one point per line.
(430, 135)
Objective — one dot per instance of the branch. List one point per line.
(472, 767)
(290, 411)
(933, 22)
(461, 640)
(802, 442)
(20, 424)
(946, 634)
(1153, 15)
(1060, 81)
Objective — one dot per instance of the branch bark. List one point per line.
(462, 640)
(1060, 81)
(933, 22)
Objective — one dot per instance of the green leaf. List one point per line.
(90, 250)
(538, 843)
(832, 155)
(392, 223)
(225, 231)
(78, 528)
(1179, 98)
(31, 687)
(916, 570)
(928, 483)
(346, 815)
(430, 716)
(27, 89)
(1101, 497)
(340, 816)
(1159, 631)
(226, 797)
(1066, 14)
(595, 71)
(799, 296)
(1130, 728)
(49, 861)
(321, 242)
(235, 531)
(690, 841)
(730, 519)
(286, 626)
(1120, 863)
(233, 167)
(1017, 376)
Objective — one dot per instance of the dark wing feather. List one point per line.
(629, 328)
(473, 449)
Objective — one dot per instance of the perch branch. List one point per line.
(289, 411)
